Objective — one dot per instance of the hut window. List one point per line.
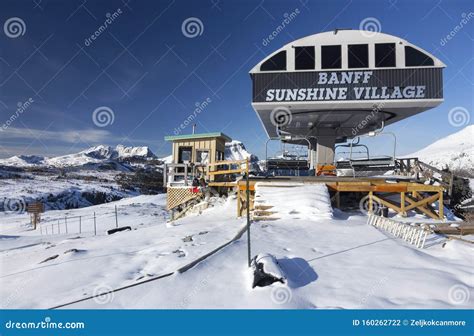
(331, 57)
(304, 58)
(415, 57)
(358, 55)
(385, 55)
(185, 154)
(275, 63)
(219, 156)
(202, 156)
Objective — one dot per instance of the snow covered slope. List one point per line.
(456, 151)
(338, 262)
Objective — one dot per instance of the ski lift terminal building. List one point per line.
(326, 88)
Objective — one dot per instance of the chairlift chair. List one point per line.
(367, 166)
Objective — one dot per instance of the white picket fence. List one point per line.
(413, 233)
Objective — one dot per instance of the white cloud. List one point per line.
(69, 136)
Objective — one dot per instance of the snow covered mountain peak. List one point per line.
(235, 150)
(119, 152)
(94, 155)
(455, 151)
(125, 152)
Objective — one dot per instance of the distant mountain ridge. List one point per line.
(455, 151)
(94, 155)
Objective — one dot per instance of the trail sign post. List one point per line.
(35, 210)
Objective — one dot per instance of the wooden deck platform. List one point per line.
(412, 195)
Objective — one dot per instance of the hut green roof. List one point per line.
(197, 136)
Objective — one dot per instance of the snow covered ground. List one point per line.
(60, 192)
(331, 259)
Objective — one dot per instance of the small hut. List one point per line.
(191, 153)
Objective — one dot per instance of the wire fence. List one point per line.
(90, 223)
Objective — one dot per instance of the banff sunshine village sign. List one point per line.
(393, 84)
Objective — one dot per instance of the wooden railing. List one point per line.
(213, 168)
(184, 173)
(424, 171)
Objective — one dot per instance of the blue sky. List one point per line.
(151, 76)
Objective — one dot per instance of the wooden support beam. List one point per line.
(371, 202)
(385, 202)
(239, 204)
(441, 205)
(422, 202)
(402, 204)
(222, 172)
(243, 187)
(423, 209)
(390, 187)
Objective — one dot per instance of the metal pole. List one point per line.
(247, 187)
(95, 228)
(59, 228)
(80, 224)
(116, 219)
(65, 221)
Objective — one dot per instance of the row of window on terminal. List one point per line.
(358, 57)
